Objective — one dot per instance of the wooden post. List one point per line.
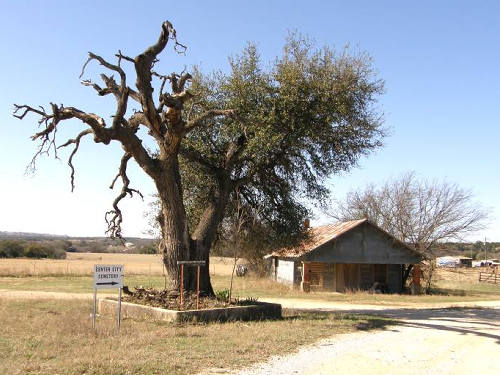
(415, 287)
(94, 311)
(306, 277)
(191, 263)
(119, 309)
(182, 282)
(198, 288)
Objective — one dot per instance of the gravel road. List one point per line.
(426, 341)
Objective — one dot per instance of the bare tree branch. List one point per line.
(211, 113)
(124, 57)
(104, 63)
(182, 81)
(114, 217)
(420, 213)
(121, 94)
(143, 65)
(48, 135)
(75, 141)
(111, 88)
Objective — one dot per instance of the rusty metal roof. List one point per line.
(317, 237)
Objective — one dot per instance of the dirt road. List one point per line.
(426, 341)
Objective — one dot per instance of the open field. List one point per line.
(73, 275)
(450, 291)
(83, 264)
(55, 337)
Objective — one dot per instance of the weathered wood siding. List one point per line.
(363, 245)
(366, 276)
(329, 277)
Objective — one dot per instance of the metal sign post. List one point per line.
(108, 276)
(196, 263)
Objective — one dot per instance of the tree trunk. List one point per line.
(206, 230)
(406, 274)
(174, 244)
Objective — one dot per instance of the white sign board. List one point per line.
(107, 276)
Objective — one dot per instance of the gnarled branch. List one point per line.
(76, 142)
(50, 120)
(143, 64)
(211, 113)
(114, 217)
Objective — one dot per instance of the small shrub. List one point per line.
(222, 294)
(248, 301)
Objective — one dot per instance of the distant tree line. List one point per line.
(33, 249)
(476, 250)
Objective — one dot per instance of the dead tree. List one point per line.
(163, 117)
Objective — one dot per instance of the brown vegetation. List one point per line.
(56, 337)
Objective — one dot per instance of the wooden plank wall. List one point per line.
(394, 277)
(366, 276)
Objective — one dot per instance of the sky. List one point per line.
(439, 61)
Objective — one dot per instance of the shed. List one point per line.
(453, 261)
(351, 255)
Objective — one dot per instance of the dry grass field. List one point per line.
(56, 337)
(83, 264)
(74, 275)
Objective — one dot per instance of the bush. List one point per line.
(148, 249)
(34, 250)
(222, 294)
(16, 249)
(11, 249)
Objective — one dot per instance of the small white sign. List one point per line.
(108, 276)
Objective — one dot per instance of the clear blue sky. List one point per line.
(439, 59)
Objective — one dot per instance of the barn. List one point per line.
(351, 255)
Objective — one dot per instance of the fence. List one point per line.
(489, 277)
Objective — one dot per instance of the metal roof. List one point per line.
(316, 237)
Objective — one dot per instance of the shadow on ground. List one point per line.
(363, 321)
(483, 322)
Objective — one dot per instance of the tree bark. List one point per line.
(206, 230)
(406, 274)
(174, 244)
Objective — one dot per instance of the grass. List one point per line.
(55, 337)
(81, 264)
(75, 275)
(69, 284)
(444, 291)
(453, 291)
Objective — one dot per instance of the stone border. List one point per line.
(258, 311)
